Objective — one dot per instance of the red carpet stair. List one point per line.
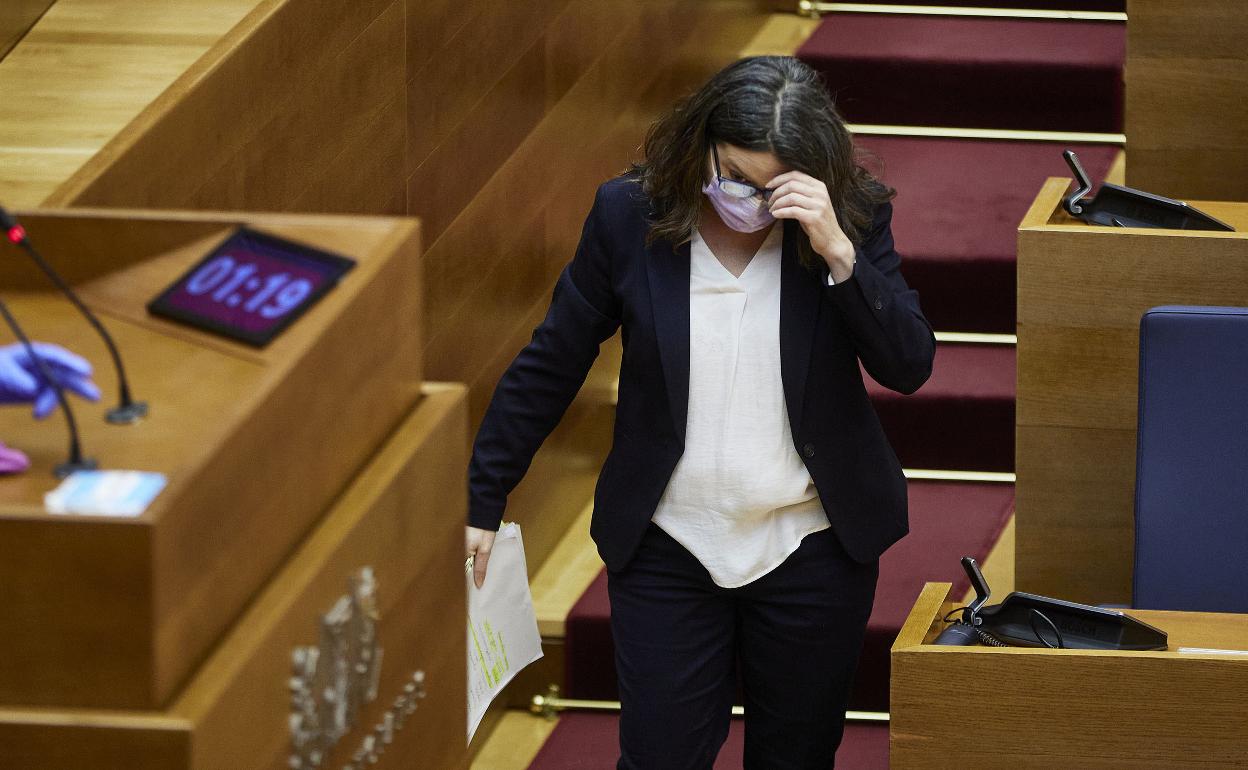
(596, 745)
(962, 418)
(956, 214)
(1060, 5)
(1054, 75)
(955, 218)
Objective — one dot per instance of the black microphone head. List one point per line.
(7, 220)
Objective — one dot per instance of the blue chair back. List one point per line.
(1191, 489)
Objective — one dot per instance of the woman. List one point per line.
(750, 489)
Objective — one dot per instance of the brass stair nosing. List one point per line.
(1010, 134)
(550, 704)
(977, 338)
(927, 474)
(817, 9)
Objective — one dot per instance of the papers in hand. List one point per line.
(502, 627)
(105, 493)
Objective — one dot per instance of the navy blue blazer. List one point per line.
(616, 281)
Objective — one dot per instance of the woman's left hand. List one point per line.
(802, 197)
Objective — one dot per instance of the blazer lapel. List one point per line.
(799, 313)
(668, 271)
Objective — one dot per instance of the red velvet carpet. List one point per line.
(582, 740)
(1059, 5)
(962, 418)
(982, 72)
(956, 215)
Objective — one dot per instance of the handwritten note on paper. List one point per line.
(502, 627)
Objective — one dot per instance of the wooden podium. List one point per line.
(1019, 707)
(166, 641)
(1081, 293)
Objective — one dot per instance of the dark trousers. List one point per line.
(795, 632)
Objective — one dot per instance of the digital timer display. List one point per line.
(251, 287)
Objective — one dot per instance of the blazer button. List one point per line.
(808, 450)
(878, 305)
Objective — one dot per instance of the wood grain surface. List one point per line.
(16, 19)
(1186, 112)
(295, 89)
(402, 516)
(255, 444)
(1070, 708)
(1082, 291)
(84, 72)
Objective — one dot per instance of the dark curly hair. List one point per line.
(761, 103)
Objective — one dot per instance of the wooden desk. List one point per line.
(1020, 708)
(115, 613)
(1081, 293)
(403, 516)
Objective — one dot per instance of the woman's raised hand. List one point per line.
(478, 543)
(802, 197)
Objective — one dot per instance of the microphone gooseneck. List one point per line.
(127, 410)
(76, 461)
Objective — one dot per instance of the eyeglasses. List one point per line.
(733, 187)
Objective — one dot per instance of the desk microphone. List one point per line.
(76, 461)
(127, 411)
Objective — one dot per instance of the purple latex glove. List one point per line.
(12, 461)
(20, 381)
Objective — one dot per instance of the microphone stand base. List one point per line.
(68, 467)
(127, 414)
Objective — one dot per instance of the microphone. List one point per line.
(76, 461)
(127, 410)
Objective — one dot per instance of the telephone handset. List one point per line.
(1127, 207)
(1028, 620)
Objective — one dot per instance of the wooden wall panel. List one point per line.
(1074, 503)
(16, 17)
(84, 72)
(1081, 293)
(336, 138)
(1186, 111)
(465, 68)
(60, 740)
(257, 120)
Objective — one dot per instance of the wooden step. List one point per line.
(956, 215)
(1057, 75)
(962, 418)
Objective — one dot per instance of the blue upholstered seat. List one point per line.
(1191, 501)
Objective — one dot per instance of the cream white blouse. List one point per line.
(740, 499)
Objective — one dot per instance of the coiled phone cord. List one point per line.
(991, 641)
